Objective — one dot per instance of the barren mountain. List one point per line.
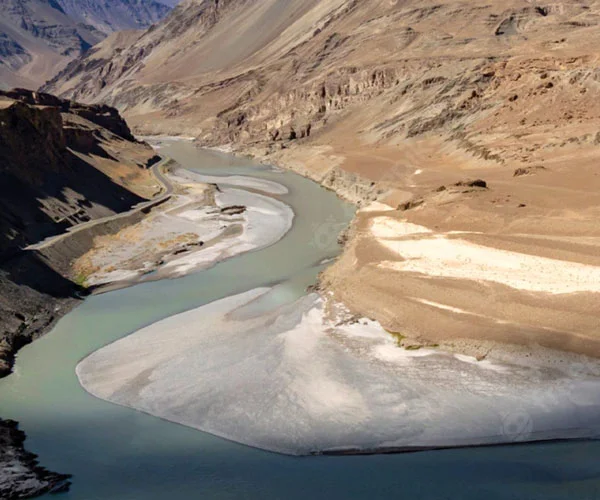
(109, 16)
(38, 37)
(405, 102)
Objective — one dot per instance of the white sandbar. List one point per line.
(290, 382)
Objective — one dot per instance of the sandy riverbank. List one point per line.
(509, 266)
(296, 380)
(199, 226)
(441, 279)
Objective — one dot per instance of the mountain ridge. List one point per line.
(62, 163)
(38, 37)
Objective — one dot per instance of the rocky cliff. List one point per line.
(38, 37)
(20, 474)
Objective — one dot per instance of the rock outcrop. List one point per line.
(62, 164)
(20, 474)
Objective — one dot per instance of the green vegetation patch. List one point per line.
(81, 280)
(397, 336)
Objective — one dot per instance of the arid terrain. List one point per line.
(404, 103)
(39, 37)
(465, 132)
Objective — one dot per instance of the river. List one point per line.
(118, 453)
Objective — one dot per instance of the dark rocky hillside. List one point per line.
(45, 186)
(34, 479)
(50, 179)
(61, 164)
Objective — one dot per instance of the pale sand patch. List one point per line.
(387, 227)
(290, 381)
(377, 206)
(436, 255)
(444, 307)
(265, 221)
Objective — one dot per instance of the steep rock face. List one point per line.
(38, 37)
(102, 115)
(12, 54)
(36, 146)
(122, 54)
(20, 474)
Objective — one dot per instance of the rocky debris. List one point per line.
(233, 210)
(409, 205)
(21, 476)
(477, 183)
(188, 247)
(343, 237)
(519, 172)
(519, 21)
